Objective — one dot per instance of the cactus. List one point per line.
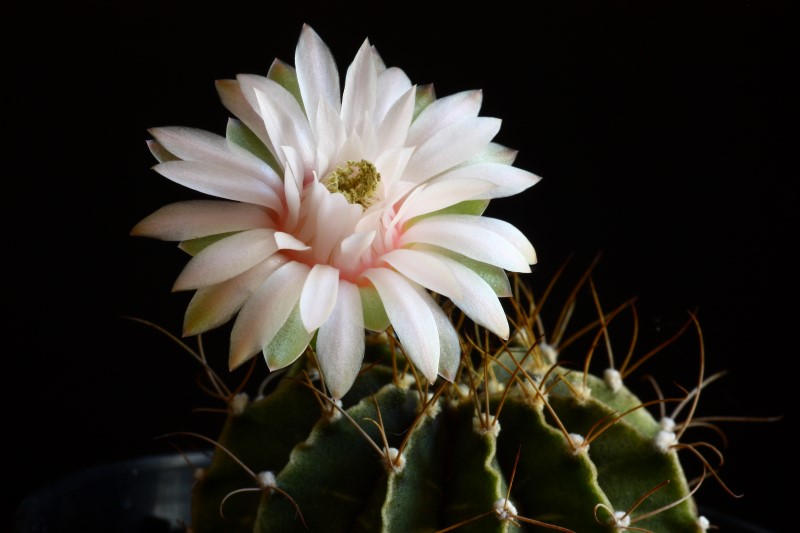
(520, 438)
(347, 243)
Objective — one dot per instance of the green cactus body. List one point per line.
(455, 466)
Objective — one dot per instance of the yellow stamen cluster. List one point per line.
(356, 181)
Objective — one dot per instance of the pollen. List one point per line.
(357, 181)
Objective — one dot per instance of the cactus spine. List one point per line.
(519, 440)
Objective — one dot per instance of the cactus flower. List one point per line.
(336, 211)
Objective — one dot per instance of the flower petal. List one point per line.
(316, 73)
(220, 181)
(392, 84)
(227, 258)
(426, 269)
(289, 342)
(286, 122)
(450, 146)
(442, 113)
(508, 180)
(449, 344)
(466, 235)
(287, 241)
(360, 85)
(319, 296)
(213, 306)
(191, 219)
(352, 249)
(191, 144)
(234, 99)
(340, 341)
(393, 130)
(411, 319)
(478, 300)
(441, 194)
(266, 312)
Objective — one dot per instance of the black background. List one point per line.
(659, 133)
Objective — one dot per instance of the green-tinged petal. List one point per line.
(289, 343)
(195, 246)
(496, 277)
(375, 317)
(286, 76)
(424, 97)
(468, 207)
(243, 136)
(160, 153)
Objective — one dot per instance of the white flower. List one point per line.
(338, 211)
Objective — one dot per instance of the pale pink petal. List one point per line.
(450, 146)
(340, 342)
(494, 153)
(319, 296)
(232, 97)
(360, 85)
(392, 84)
(192, 219)
(468, 238)
(336, 217)
(442, 194)
(220, 182)
(449, 343)
(330, 136)
(411, 319)
(478, 300)
(159, 152)
(352, 249)
(211, 307)
(287, 241)
(505, 230)
(426, 269)
(392, 165)
(317, 74)
(227, 258)
(442, 113)
(508, 180)
(191, 144)
(393, 129)
(286, 122)
(266, 311)
(293, 186)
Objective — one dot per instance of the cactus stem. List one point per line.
(482, 429)
(578, 444)
(272, 376)
(613, 379)
(259, 479)
(238, 403)
(607, 421)
(505, 510)
(430, 409)
(665, 507)
(395, 460)
(623, 520)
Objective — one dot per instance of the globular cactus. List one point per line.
(336, 211)
(521, 439)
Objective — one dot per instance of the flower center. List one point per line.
(355, 180)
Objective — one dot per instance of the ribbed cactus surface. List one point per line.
(516, 442)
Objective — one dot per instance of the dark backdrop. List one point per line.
(659, 134)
